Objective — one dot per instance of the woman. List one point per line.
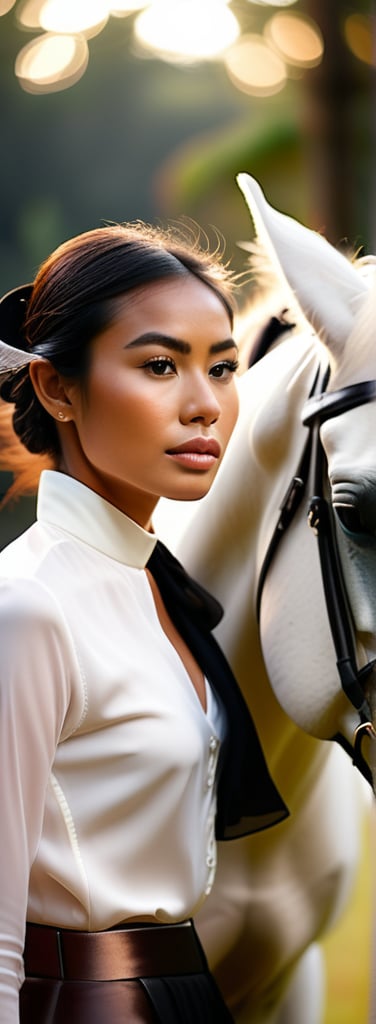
(125, 746)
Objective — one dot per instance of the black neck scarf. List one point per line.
(248, 800)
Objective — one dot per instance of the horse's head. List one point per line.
(338, 298)
(228, 534)
(348, 438)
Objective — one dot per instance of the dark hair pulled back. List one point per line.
(71, 302)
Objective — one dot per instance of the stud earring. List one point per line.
(61, 415)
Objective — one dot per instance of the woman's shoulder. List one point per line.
(37, 648)
(31, 555)
(27, 591)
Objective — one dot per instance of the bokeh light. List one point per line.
(6, 5)
(254, 67)
(191, 31)
(28, 13)
(187, 30)
(74, 16)
(360, 35)
(51, 62)
(276, 3)
(296, 38)
(122, 9)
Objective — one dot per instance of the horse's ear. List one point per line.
(329, 289)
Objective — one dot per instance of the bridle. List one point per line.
(312, 466)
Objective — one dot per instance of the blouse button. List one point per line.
(211, 854)
(212, 761)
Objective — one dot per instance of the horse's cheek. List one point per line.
(296, 642)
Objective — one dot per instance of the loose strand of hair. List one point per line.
(14, 458)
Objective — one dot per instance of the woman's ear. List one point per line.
(50, 388)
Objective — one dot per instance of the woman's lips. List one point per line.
(199, 453)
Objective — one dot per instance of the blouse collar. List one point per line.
(71, 506)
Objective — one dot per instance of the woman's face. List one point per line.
(160, 401)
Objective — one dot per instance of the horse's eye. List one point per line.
(349, 518)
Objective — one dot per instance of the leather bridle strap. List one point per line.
(327, 405)
(317, 409)
(320, 518)
(288, 507)
(315, 412)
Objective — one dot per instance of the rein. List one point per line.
(318, 408)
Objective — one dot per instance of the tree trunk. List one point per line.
(339, 128)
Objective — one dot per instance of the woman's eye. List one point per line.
(160, 366)
(224, 369)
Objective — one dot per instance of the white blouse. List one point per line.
(107, 758)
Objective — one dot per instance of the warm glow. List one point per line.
(360, 37)
(254, 68)
(187, 30)
(28, 13)
(51, 62)
(296, 38)
(276, 3)
(6, 5)
(88, 16)
(120, 10)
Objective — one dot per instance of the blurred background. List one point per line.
(126, 110)
(121, 109)
(149, 110)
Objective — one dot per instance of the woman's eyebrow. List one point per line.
(222, 346)
(175, 344)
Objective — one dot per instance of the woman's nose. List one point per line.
(201, 404)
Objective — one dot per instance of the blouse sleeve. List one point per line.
(34, 699)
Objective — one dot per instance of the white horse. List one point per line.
(277, 892)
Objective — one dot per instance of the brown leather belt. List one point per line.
(137, 951)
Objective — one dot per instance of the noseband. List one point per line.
(313, 464)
